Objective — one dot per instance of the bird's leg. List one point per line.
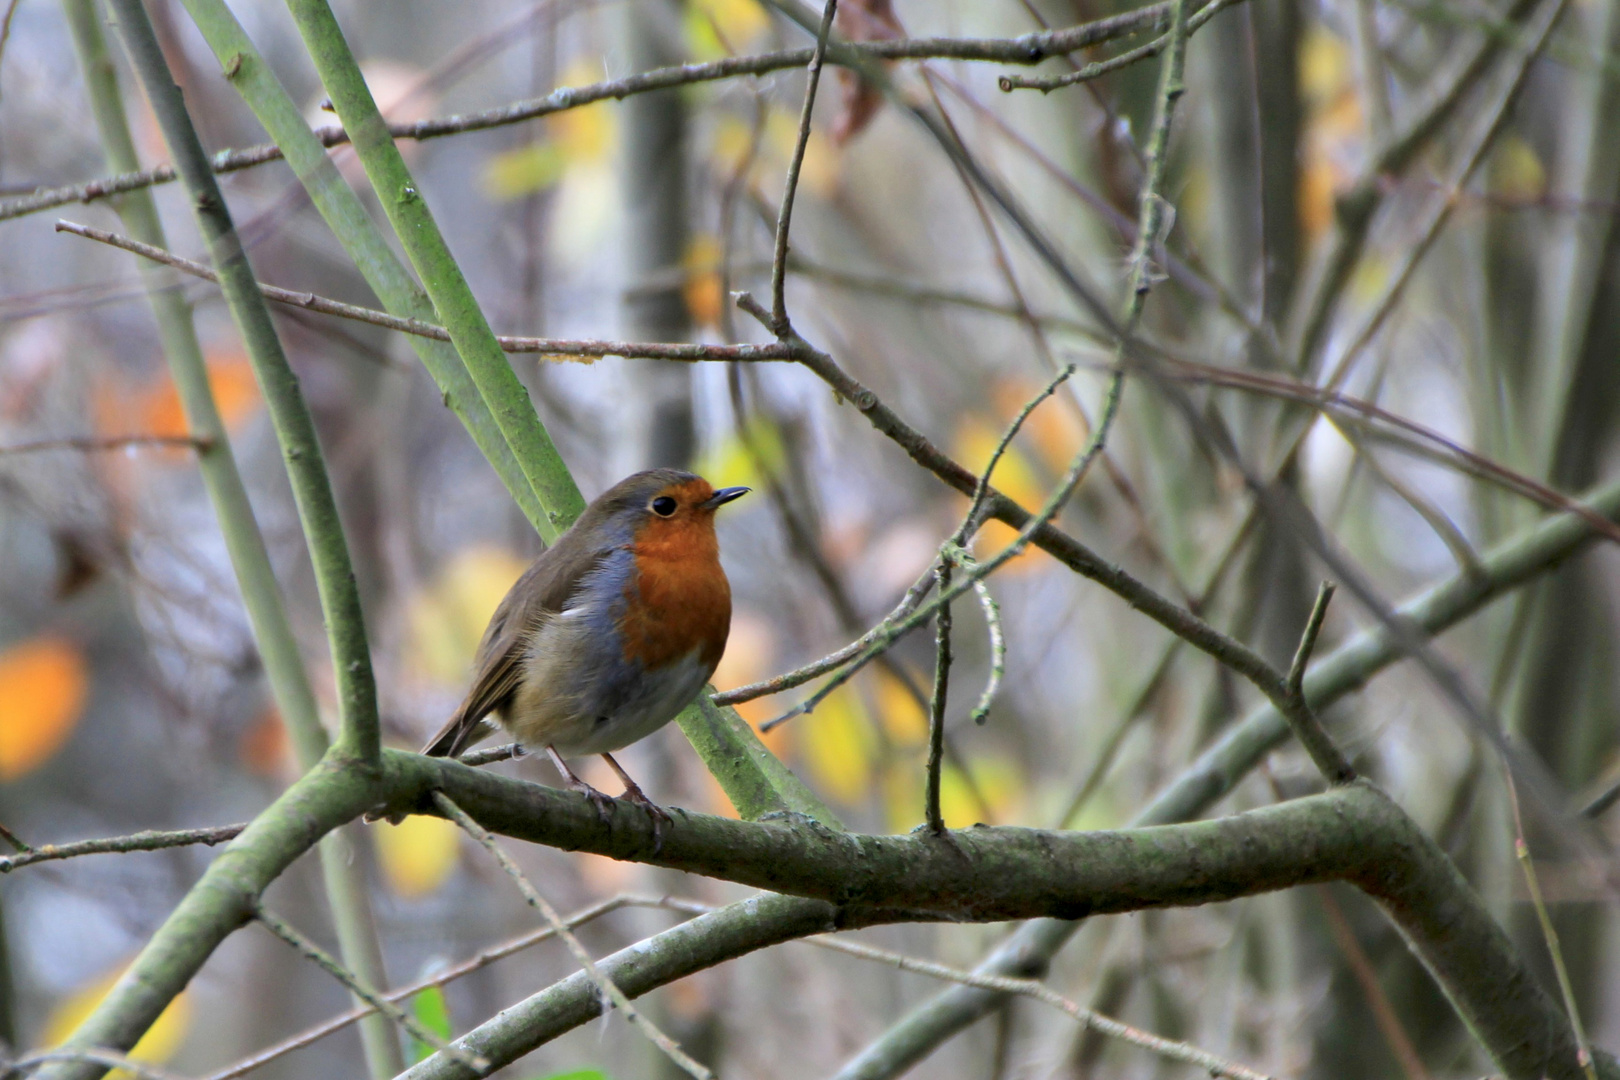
(633, 792)
(600, 799)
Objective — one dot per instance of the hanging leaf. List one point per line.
(160, 1043)
(903, 716)
(701, 288)
(448, 617)
(838, 744)
(523, 170)
(716, 28)
(419, 854)
(44, 683)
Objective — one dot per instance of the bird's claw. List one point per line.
(599, 799)
(660, 817)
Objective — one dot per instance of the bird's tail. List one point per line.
(455, 737)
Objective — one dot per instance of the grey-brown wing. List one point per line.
(543, 590)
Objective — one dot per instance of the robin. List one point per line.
(612, 632)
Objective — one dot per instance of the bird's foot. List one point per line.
(599, 799)
(633, 794)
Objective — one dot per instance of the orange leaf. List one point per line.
(43, 686)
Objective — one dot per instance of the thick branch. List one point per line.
(1353, 833)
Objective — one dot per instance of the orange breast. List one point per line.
(679, 599)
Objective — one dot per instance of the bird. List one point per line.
(612, 631)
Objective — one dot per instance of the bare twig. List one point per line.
(491, 755)
(14, 840)
(1521, 851)
(784, 221)
(1307, 640)
(1025, 49)
(141, 841)
(440, 978)
(605, 985)
(936, 703)
(548, 347)
(1088, 72)
(316, 955)
(95, 445)
(1169, 1049)
(1389, 1024)
(1308, 729)
(107, 1059)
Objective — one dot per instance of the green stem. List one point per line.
(295, 428)
(452, 297)
(284, 666)
(343, 212)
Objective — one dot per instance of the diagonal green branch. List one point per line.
(343, 212)
(278, 648)
(458, 311)
(295, 428)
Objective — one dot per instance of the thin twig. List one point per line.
(316, 955)
(1308, 729)
(466, 967)
(107, 1059)
(1025, 49)
(971, 520)
(1170, 1049)
(100, 445)
(799, 676)
(491, 755)
(784, 220)
(1521, 851)
(586, 349)
(1384, 1015)
(141, 841)
(1307, 640)
(936, 703)
(14, 840)
(605, 985)
(1096, 70)
(998, 652)
(5, 25)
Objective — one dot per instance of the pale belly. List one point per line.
(580, 702)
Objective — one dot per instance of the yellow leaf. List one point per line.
(1516, 170)
(158, 1045)
(585, 135)
(701, 289)
(524, 170)
(715, 28)
(1014, 476)
(1324, 65)
(448, 618)
(997, 779)
(43, 686)
(837, 744)
(903, 716)
(419, 854)
(822, 160)
(734, 460)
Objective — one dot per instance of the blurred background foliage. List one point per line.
(131, 694)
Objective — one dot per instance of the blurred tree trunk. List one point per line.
(657, 228)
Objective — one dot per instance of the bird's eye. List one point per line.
(663, 506)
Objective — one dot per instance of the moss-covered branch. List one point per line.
(1352, 833)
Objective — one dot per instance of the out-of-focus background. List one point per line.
(131, 694)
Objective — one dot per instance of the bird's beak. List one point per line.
(723, 496)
